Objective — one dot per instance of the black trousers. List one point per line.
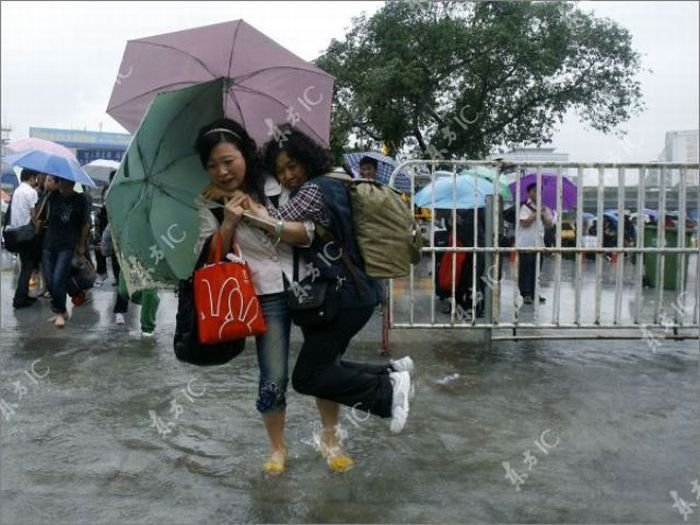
(101, 267)
(320, 372)
(527, 274)
(27, 264)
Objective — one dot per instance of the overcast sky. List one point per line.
(60, 60)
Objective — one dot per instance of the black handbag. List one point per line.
(312, 302)
(82, 277)
(23, 237)
(17, 239)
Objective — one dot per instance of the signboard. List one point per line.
(83, 138)
(85, 156)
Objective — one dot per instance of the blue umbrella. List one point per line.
(51, 164)
(470, 192)
(9, 177)
(612, 215)
(385, 167)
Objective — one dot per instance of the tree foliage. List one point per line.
(456, 79)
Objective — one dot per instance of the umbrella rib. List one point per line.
(155, 90)
(165, 46)
(252, 74)
(266, 95)
(233, 47)
(170, 124)
(240, 109)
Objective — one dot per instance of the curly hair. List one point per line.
(238, 136)
(315, 160)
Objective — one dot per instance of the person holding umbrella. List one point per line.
(368, 168)
(229, 156)
(528, 236)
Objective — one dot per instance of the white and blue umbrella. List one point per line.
(463, 193)
(51, 164)
(385, 167)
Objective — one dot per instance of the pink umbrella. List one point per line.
(267, 85)
(47, 146)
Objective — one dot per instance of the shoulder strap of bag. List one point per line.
(6, 219)
(42, 205)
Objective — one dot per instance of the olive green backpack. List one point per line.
(387, 234)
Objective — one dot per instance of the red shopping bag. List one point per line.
(225, 299)
(445, 272)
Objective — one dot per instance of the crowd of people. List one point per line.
(58, 260)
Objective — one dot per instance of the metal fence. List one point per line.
(596, 288)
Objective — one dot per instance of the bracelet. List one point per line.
(279, 226)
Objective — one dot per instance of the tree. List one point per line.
(454, 79)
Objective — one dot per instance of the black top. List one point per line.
(67, 215)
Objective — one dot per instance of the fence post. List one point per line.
(488, 263)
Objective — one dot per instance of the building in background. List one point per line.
(532, 155)
(87, 145)
(679, 146)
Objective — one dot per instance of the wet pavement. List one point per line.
(514, 432)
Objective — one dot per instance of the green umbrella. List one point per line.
(490, 175)
(151, 201)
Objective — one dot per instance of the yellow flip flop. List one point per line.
(337, 460)
(275, 465)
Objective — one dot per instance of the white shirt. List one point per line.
(268, 264)
(24, 199)
(527, 235)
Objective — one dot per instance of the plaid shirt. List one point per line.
(304, 205)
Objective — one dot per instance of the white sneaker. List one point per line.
(60, 321)
(405, 364)
(401, 383)
(146, 335)
(119, 319)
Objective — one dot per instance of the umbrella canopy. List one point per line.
(490, 175)
(99, 170)
(266, 86)
(9, 176)
(33, 143)
(385, 167)
(470, 192)
(548, 190)
(151, 201)
(51, 164)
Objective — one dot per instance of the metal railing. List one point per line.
(508, 319)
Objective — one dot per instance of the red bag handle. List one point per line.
(215, 248)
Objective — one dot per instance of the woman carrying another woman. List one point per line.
(229, 156)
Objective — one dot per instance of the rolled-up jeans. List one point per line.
(273, 354)
(57, 268)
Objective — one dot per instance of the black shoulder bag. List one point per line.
(314, 301)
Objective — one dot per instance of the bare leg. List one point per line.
(274, 424)
(330, 447)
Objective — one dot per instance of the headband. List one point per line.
(224, 130)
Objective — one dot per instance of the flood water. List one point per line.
(613, 428)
